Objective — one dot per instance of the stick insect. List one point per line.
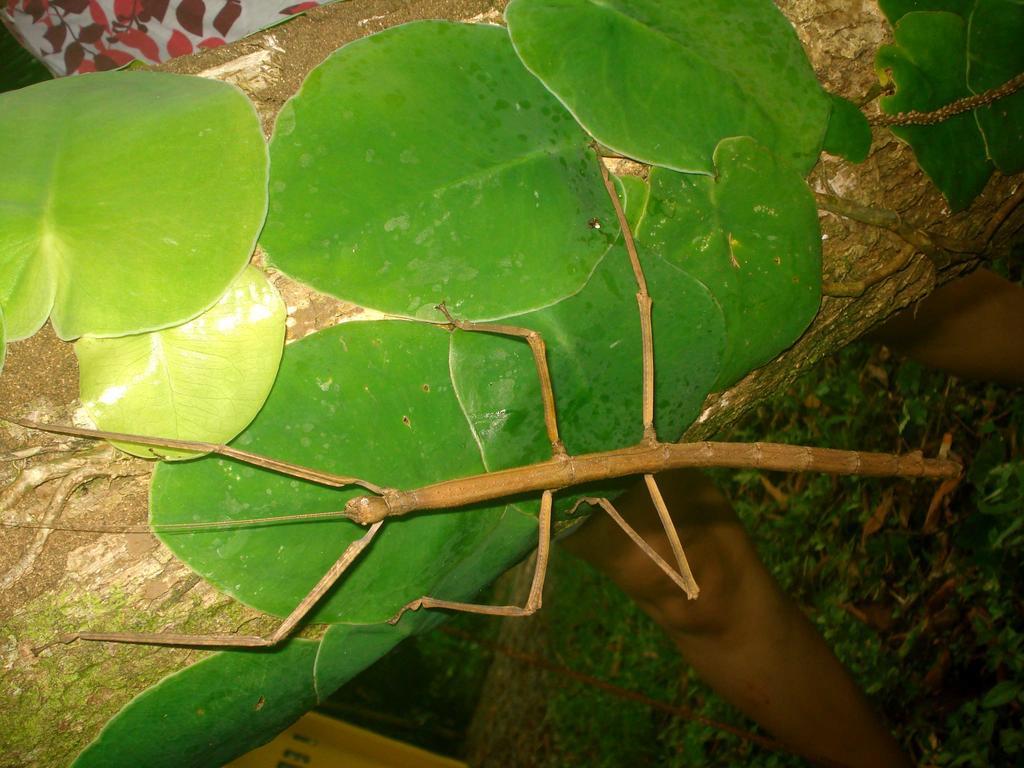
(558, 472)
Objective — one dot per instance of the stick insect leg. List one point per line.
(682, 578)
(352, 551)
(539, 350)
(533, 601)
(255, 459)
(691, 588)
(644, 302)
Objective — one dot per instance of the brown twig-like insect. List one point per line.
(562, 470)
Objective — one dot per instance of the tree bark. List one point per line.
(53, 704)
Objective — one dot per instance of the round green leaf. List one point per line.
(130, 200)
(751, 236)
(663, 82)
(211, 712)
(204, 380)
(373, 400)
(424, 164)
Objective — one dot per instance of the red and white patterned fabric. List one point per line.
(76, 36)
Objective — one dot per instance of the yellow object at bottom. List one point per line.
(316, 741)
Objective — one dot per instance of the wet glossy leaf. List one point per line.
(849, 134)
(210, 712)
(425, 164)
(664, 82)
(130, 200)
(751, 236)
(371, 399)
(204, 380)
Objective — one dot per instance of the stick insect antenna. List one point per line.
(255, 459)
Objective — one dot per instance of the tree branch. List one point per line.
(918, 240)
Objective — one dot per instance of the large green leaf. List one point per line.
(204, 380)
(374, 400)
(424, 164)
(663, 82)
(940, 57)
(751, 236)
(130, 200)
(210, 712)
(594, 356)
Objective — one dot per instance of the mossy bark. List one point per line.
(54, 703)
